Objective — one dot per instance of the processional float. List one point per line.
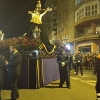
(37, 29)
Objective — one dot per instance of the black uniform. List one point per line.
(14, 69)
(64, 70)
(78, 59)
(2, 62)
(70, 61)
(97, 87)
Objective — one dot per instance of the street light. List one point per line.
(36, 32)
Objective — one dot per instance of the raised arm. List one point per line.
(29, 12)
(32, 13)
(48, 9)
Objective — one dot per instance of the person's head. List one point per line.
(62, 49)
(38, 1)
(13, 48)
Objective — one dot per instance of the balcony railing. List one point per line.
(82, 36)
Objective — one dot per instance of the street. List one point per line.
(82, 88)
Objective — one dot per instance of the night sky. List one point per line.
(14, 17)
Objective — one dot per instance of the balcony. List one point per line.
(83, 37)
(86, 21)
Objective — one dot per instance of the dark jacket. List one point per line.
(63, 58)
(78, 57)
(59, 59)
(97, 64)
(2, 63)
(14, 64)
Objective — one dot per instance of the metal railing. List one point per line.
(84, 36)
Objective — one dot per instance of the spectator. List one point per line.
(14, 69)
(79, 59)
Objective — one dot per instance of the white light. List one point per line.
(68, 46)
(96, 32)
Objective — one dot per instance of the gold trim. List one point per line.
(42, 73)
(38, 77)
(47, 50)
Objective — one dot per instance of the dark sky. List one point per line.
(14, 18)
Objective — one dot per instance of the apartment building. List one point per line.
(50, 19)
(77, 23)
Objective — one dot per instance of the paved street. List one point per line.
(82, 88)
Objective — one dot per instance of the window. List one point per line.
(87, 11)
(77, 17)
(85, 49)
(95, 8)
(92, 9)
(79, 14)
(82, 14)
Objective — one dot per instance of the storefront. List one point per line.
(87, 46)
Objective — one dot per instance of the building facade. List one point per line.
(50, 19)
(77, 23)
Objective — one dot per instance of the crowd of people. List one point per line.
(67, 61)
(87, 60)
